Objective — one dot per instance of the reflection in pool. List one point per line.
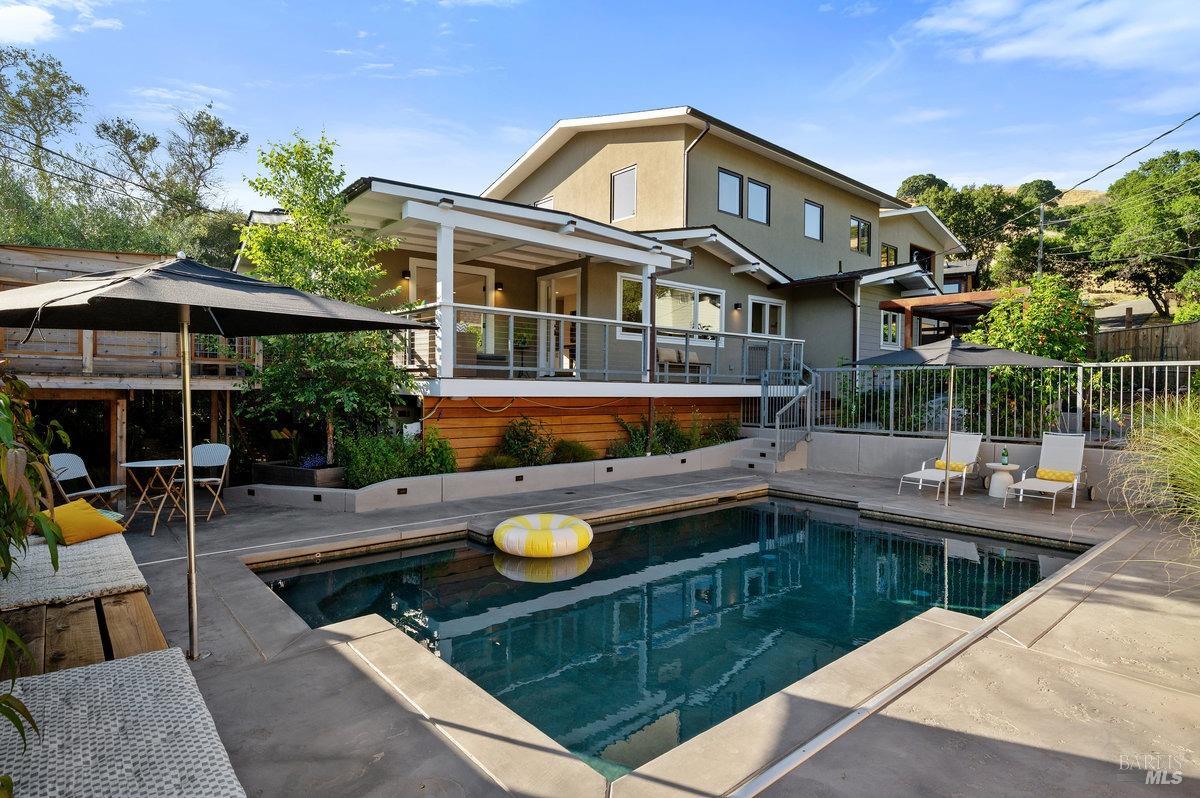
(677, 624)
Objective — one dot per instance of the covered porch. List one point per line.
(550, 299)
(941, 314)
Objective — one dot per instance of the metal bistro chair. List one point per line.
(208, 455)
(67, 467)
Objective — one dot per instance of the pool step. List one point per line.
(761, 465)
(760, 455)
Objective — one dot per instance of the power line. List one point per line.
(97, 169)
(83, 182)
(1173, 255)
(1172, 225)
(1134, 200)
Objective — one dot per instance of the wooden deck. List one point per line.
(61, 636)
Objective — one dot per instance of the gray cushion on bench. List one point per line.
(129, 727)
(100, 567)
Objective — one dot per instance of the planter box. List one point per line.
(276, 473)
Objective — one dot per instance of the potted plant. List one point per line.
(309, 471)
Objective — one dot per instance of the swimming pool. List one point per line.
(666, 627)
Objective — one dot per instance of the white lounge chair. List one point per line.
(67, 467)
(1059, 468)
(964, 454)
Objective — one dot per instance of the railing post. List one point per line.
(687, 359)
(444, 296)
(512, 351)
(891, 401)
(1079, 399)
(987, 404)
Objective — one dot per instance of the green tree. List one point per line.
(335, 380)
(39, 102)
(1147, 233)
(1048, 319)
(1037, 192)
(914, 186)
(1188, 291)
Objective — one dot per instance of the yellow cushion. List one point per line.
(81, 521)
(953, 466)
(1055, 476)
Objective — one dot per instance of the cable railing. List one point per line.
(503, 343)
(1103, 401)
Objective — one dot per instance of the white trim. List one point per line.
(892, 273)
(939, 228)
(763, 300)
(467, 387)
(700, 236)
(899, 322)
(546, 202)
(612, 193)
(666, 338)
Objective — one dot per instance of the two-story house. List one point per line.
(541, 285)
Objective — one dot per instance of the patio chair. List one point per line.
(1060, 467)
(964, 454)
(209, 455)
(67, 467)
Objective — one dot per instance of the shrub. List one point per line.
(527, 442)
(376, 458)
(1159, 471)
(722, 430)
(670, 438)
(569, 451)
(493, 460)
(634, 444)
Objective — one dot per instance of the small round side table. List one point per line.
(1002, 477)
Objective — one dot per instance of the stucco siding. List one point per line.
(825, 321)
(903, 232)
(782, 242)
(578, 176)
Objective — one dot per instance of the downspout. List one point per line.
(856, 302)
(687, 151)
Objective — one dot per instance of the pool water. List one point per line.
(666, 627)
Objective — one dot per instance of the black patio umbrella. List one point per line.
(954, 352)
(184, 296)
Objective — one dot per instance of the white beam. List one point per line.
(568, 228)
(491, 249)
(393, 226)
(534, 235)
(443, 296)
(745, 267)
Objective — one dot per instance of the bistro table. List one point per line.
(162, 474)
(1001, 478)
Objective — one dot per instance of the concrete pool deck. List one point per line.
(1103, 666)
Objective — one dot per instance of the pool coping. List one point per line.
(522, 749)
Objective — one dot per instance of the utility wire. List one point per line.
(94, 168)
(1110, 240)
(1135, 200)
(83, 182)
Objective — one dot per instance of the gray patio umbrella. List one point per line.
(184, 296)
(954, 352)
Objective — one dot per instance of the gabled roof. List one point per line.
(563, 130)
(930, 221)
(711, 238)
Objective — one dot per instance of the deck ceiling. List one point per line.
(558, 238)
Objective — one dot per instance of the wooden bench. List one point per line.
(61, 636)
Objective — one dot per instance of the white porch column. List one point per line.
(650, 357)
(444, 296)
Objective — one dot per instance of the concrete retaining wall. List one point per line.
(476, 484)
(893, 455)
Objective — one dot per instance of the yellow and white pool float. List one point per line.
(542, 535)
(543, 570)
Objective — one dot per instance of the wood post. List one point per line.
(118, 438)
(214, 416)
(908, 328)
(228, 415)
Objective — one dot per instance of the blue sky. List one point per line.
(449, 93)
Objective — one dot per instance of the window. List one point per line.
(814, 220)
(766, 316)
(758, 201)
(888, 255)
(922, 256)
(546, 202)
(624, 193)
(860, 235)
(891, 323)
(684, 307)
(729, 192)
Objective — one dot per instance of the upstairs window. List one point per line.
(624, 193)
(860, 235)
(729, 192)
(758, 201)
(814, 221)
(888, 255)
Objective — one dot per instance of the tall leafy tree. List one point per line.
(914, 186)
(329, 380)
(1046, 317)
(1147, 233)
(39, 102)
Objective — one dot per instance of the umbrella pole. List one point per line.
(189, 509)
(949, 428)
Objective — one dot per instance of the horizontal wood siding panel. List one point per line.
(474, 431)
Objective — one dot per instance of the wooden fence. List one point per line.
(1153, 342)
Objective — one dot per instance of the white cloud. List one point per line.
(920, 116)
(439, 72)
(860, 9)
(160, 103)
(340, 51)
(1111, 34)
(362, 34)
(493, 3)
(376, 66)
(26, 24)
(1171, 100)
(825, 8)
